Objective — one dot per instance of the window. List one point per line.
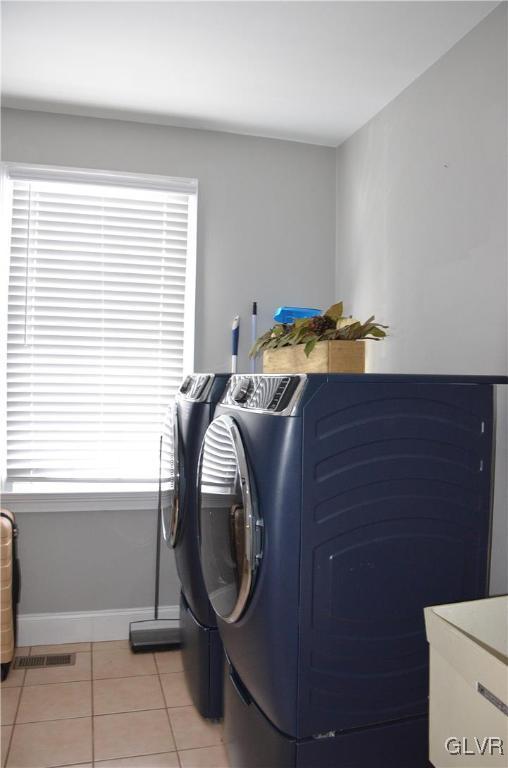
(100, 323)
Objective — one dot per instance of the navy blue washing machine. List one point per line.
(332, 509)
(185, 424)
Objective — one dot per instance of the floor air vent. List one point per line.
(47, 660)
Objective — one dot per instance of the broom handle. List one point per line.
(159, 525)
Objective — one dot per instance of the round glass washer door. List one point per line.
(170, 476)
(230, 529)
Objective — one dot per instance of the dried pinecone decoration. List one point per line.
(320, 324)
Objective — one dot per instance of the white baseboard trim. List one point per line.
(48, 628)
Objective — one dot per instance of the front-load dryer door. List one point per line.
(170, 476)
(230, 529)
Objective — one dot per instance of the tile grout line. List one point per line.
(109, 714)
(35, 649)
(7, 754)
(85, 679)
(167, 709)
(57, 682)
(180, 707)
(85, 717)
(150, 754)
(70, 764)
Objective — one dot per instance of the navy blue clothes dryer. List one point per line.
(186, 421)
(332, 509)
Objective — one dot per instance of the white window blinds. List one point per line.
(98, 322)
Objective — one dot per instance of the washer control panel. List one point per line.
(264, 392)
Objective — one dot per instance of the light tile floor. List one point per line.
(112, 709)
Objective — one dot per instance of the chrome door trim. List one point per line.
(253, 524)
(171, 536)
(252, 547)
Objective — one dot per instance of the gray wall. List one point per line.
(422, 228)
(266, 231)
(89, 561)
(266, 210)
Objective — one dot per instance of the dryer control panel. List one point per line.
(195, 386)
(264, 392)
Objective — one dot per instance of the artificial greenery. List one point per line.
(329, 326)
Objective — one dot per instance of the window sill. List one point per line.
(74, 501)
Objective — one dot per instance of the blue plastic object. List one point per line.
(290, 314)
(234, 340)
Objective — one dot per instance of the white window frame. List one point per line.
(81, 499)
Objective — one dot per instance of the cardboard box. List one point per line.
(468, 683)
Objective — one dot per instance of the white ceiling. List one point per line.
(307, 71)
